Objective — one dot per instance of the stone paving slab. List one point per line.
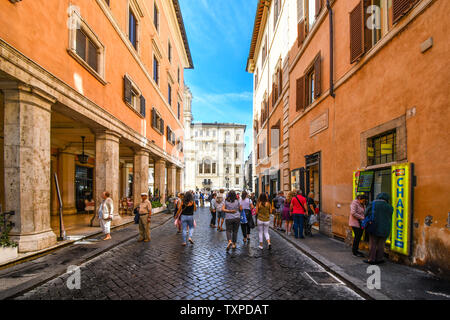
(22, 277)
(164, 270)
(398, 282)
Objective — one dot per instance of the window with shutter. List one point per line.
(142, 111)
(357, 32)
(317, 76)
(400, 8)
(127, 95)
(300, 93)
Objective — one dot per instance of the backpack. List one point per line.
(368, 222)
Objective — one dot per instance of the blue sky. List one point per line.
(219, 34)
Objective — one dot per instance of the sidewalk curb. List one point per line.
(356, 284)
(56, 247)
(60, 270)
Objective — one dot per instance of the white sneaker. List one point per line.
(260, 247)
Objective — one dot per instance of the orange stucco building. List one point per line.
(108, 71)
(368, 112)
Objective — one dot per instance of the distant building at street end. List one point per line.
(213, 153)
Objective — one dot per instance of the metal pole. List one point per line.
(62, 231)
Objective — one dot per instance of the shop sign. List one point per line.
(365, 181)
(370, 152)
(401, 202)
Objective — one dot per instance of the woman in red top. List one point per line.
(298, 209)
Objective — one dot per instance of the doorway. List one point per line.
(313, 177)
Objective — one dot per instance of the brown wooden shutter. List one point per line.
(143, 106)
(357, 32)
(317, 76)
(126, 89)
(400, 8)
(301, 32)
(319, 4)
(154, 125)
(161, 128)
(300, 93)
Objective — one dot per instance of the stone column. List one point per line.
(140, 174)
(66, 180)
(171, 180)
(160, 173)
(107, 169)
(27, 165)
(179, 180)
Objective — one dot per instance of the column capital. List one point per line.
(141, 151)
(22, 93)
(107, 135)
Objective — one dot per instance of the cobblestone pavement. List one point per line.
(163, 269)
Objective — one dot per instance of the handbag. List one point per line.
(368, 222)
(313, 219)
(243, 217)
(253, 212)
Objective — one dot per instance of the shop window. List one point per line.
(382, 149)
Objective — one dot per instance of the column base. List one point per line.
(35, 242)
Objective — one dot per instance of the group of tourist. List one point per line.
(237, 211)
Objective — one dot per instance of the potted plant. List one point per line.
(8, 248)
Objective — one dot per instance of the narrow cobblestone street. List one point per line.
(163, 269)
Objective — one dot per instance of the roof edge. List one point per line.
(176, 5)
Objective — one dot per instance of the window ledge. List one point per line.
(74, 55)
(134, 110)
(157, 130)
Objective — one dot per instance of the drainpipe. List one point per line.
(330, 16)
